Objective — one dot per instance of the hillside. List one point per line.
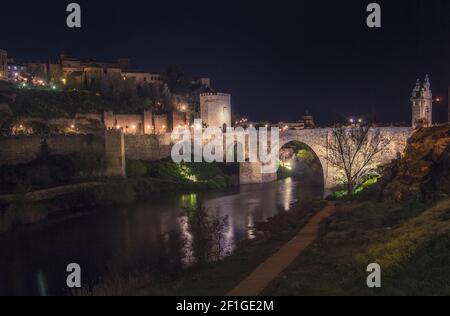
(406, 230)
(424, 171)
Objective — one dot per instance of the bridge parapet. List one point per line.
(317, 140)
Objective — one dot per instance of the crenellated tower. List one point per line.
(422, 104)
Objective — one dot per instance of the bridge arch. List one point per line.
(303, 161)
(316, 140)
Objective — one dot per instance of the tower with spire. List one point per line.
(422, 104)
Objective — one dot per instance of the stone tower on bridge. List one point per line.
(215, 109)
(422, 104)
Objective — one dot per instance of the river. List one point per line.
(152, 234)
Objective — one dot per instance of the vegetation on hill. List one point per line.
(424, 171)
(119, 96)
(409, 238)
(50, 104)
(401, 223)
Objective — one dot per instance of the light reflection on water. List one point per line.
(161, 236)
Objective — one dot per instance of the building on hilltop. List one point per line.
(307, 122)
(215, 109)
(204, 82)
(17, 71)
(88, 73)
(3, 65)
(448, 101)
(142, 77)
(422, 104)
(34, 72)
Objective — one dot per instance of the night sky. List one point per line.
(277, 59)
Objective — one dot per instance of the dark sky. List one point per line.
(277, 59)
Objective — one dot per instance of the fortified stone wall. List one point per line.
(80, 119)
(19, 149)
(147, 147)
(26, 148)
(178, 120)
(161, 123)
(115, 151)
(23, 149)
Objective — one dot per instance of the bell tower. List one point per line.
(422, 104)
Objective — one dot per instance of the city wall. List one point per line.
(23, 149)
(26, 148)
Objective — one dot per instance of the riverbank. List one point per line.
(410, 242)
(217, 277)
(147, 180)
(401, 223)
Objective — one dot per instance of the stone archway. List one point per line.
(303, 161)
(316, 140)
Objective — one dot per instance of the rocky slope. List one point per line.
(423, 173)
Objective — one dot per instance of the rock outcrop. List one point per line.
(424, 171)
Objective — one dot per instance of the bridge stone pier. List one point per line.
(317, 140)
(148, 147)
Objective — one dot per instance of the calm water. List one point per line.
(158, 236)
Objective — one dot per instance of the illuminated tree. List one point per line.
(352, 151)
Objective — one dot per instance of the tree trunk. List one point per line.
(349, 188)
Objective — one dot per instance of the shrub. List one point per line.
(115, 193)
(90, 162)
(136, 169)
(218, 182)
(6, 220)
(39, 175)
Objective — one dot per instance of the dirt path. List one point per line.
(260, 278)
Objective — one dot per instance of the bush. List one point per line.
(39, 175)
(115, 193)
(6, 220)
(217, 183)
(90, 162)
(136, 169)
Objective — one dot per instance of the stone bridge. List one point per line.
(147, 147)
(316, 139)
(118, 147)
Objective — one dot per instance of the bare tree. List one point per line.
(352, 150)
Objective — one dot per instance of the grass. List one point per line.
(214, 278)
(410, 241)
(218, 278)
